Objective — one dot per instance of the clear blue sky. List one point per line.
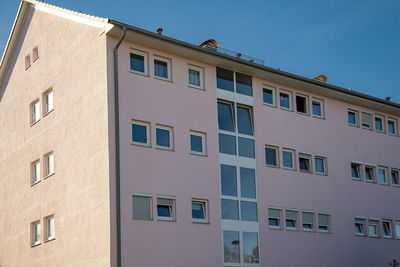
(355, 43)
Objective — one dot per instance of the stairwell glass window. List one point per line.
(247, 183)
(274, 218)
(291, 219)
(199, 211)
(162, 68)
(269, 96)
(366, 120)
(395, 177)
(225, 79)
(48, 164)
(373, 228)
(305, 162)
(165, 209)
(382, 174)
(164, 137)
(250, 247)
(379, 125)
(324, 223)
(231, 246)
(138, 62)
(142, 206)
(356, 170)
(228, 180)
(387, 228)
(359, 226)
(245, 120)
(35, 111)
(35, 233)
(49, 224)
(48, 97)
(197, 143)
(246, 147)
(302, 104)
(288, 159)
(226, 116)
(285, 100)
(271, 156)
(141, 133)
(320, 165)
(392, 126)
(317, 108)
(35, 172)
(244, 84)
(352, 117)
(234, 82)
(370, 173)
(195, 77)
(229, 209)
(308, 221)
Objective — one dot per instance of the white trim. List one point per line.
(204, 204)
(171, 136)
(310, 160)
(276, 148)
(290, 94)
(383, 123)
(203, 142)
(356, 115)
(394, 126)
(325, 164)
(201, 76)
(148, 135)
(306, 104)
(322, 105)
(293, 152)
(273, 89)
(169, 68)
(145, 61)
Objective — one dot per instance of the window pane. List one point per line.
(243, 84)
(352, 118)
(369, 174)
(229, 209)
(316, 108)
(225, 117)
(320, 165)
(225, 79)
(287, 159)
(250, 247)
(366, 120)
(247, 183)
(198, 211)
(301, 104)
(284, 100)
(137, 62)
(378, 124)
(244, 118)
(196, 143)
(228, 180)
(382, 176)
(231, 246)
(268, 96)
(163, 137)
(304, 164)
(395, 177)
(270, 156)
(139, 133)
(160, 68)
(141, 207)
(355, 170)
(398, 230)
(194, 77)
(227, 144)
(163, 211)
(391, 127)
(248, 211)
(246, 147)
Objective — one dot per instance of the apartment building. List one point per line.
(204, 158)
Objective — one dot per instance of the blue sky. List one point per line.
(356, 44)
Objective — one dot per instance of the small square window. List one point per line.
(352, 117)
(392, 126)
(288, 159)
(366, 120)
(370, 173)
(285, 100)
(320, 165)
(397, 223)
(302, 104)
(271, 156)
(305, 162)
(27, 61)
(356, 171)
(317, 108)
(308, 221)
(395, 177)
(324, 223)
(373, 228)
(387, 228)
(166, 208)
(138, 62)
(197, 143)
(142, 206)
(35, 172)
(49, 224)
(199, 211)
(35, 53)
(48, 164)
(291, 219)
(274, 218)
(141, 133)
(164, 137)
(48, 101)
(269, 96)
(35, 111)
(359, 226)
(35, 233)
(382, 174)
(195, 77)
(162, 68)
(379, 124)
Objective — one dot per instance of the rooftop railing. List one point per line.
(236, 54)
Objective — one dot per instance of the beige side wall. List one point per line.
(72, 59)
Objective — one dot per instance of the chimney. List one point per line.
(159, 31)
(321, 78)
(388, 98)
(238, 55)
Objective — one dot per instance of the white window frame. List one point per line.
(203, 142)
(172, 218)
(296, 228)
(395, 126)
(35, 111)
(390, 224)
(306, 104)
(201, 77)
(397, 228)
(290, 99)
(27, 61)
(398, 177)
(306, 156)
(142, 195)
(373, 167)
(360, 170)
(35, 53)
(273, 89)
(276, 156)
(383, 123)
(329, 230)
(146, 60)
(313, 222)
(293, 152)
(171, 136)
(34, 229)
(363, 222)
(386, 170)
(48, 169)
(325, 163)
(48, 221)
(148, 138)
(48, 106)
(321, 103)
(356, 115)
(166, 60)
(204, 204)
(370, 125)
(279, 219)
(35, 172)
(374, 222)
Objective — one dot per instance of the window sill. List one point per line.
(162, 79)
(140, 144)
(269, 105)
(356, 179)
(198, 154)
(32, 184)
(33, 123)
(50, 239)
(165, 148)
(289, 169)
(36, 244)
(292, 229)
(396, 185)
(166, 219)
(48, 112)
(324, 232)
(272, 166)
(287, 109)
(140, 73)
(51, 174)
(308, 172)
(360, 235)
(142, 219)
(370, 181)
(373, 236)
(319, 117)
(321, 173)
(303, 113)
(385, 184)
(387, 237)
(308, 230)
(200, 221)
(274, 227)
(196, 87)
(353, 125)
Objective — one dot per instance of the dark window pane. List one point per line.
(378, 124)
(316, 109)
(228, 180)
(229, 209)
(194, 77)
(250, 248)
(352, 117)
(163, 211)
(287, 159)
(244, 118)
(160, 69)
(225, 117)
(197, 211)
(196, 143)
(247, 183)
(304, 164)
(301, 104)
(284, 100)
(248, 211)
(137, 62)
(319, 165)
(139, 133)
(225, 79)
(268, 96)
(391, 128)
(246, 147)
(231, 246)
(270, 156)
(163, 138)
(227, 144)
(243, 84)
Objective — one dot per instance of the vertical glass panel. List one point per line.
(248, 211)
(227, 144)
(382, 176)
(301, 104)
(225, 79)
(228, 180)
(284, 100)
(270, 156)
(198, 211)
(287, 157)
(369, 173)
(250, 247)
(316, 108)
(196, 143)
(141, 207)
(268, 96)
(194, 77)
(244, 119)
(137, 62)
(398, 230)
(352, 118)
(355, 170)
(243, 84)
(395, 177)
(160, 69)
(226, 117)
(304, 163)
(247, 183)
(391, 127)
(229, 209)
(231, 246)
(246, 147)
(378, 124)
(163, 137)
(320, 165)
(139, 133)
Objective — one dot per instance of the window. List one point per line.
(48, 101)
(231, 246)
(49, 164)
(285, 100)
(35, 232)
(373, 228)
(356, 170)
(141, 133)
(35, 111)
(245, 120)
(49, 224)
(382, 174)
(392, 126)
(379, 124)
(247, 183)
(166, 208)
(35, 53)
(395, 177)
(305, 162)
(271, 156)
(317, 108)
(162, 68)
(323, 223)
(197, 143)
(35, 172)
(229, 209)
(248, 211)
(164, 137)
(352, 117)
(246, 147)
(320, 165)
(227, 144)
(27, 61)
(274, 218)
(269, 96)
(138, 62)
(387, 228)
(225, 79)
(288, 159)
(291, 219)
(195, 77)
(397, 223)
(301, 104)
(199, 211)
(142, 206)
(308, 221)
(370, 173)
(226, 116)
(366, 120)
(244, 84)
(228, 180)
(359, 226)
(250, 247)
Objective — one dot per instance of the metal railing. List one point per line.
(236, 54)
